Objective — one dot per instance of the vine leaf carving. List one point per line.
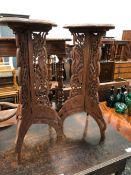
(40, 69)
(77, 65)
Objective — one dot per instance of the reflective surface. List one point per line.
(121, 122)
(79, 152)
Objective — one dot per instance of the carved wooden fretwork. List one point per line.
(23, 72)
(77, 65)
(85, 73)
(40, 69)
(34, 105)
(93, 65)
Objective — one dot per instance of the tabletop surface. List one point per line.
(79, 153)
(121, 122)
(90, 26)
(28, 22)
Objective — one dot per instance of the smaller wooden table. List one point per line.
(122, 123)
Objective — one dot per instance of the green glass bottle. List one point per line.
(123, 93)
(111, 99)
(118, 95)
(120, 107)
(128, 103)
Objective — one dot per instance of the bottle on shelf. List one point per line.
(120, 105)
(118, 95)
(123, 93)
(111, 98)
(112, 87)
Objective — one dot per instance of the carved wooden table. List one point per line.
(85, 73)
(31, 59)
(57, 46)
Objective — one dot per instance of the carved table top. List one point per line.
(89, 27)
(26, 23)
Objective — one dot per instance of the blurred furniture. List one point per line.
(104, 88)
(122, 70)
(68, 62)
(107, 49)
(115, 59)
(8, 82)
(56, 47)
(127, 36)
(107, 59)
(7, 114)
(121, 50)
(7, 47)
(106, 71)
(123, 56)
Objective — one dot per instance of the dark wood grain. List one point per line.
(121, 122)
(7, 47)
(79, 154)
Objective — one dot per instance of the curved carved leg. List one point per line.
(86, 127)
(22, 129)
(59, 130)
(71, 106)
(49, 116)
(97, 115)
(102, 127)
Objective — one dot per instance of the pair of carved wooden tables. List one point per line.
(34, 104)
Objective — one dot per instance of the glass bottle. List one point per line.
(123, 93)
(128, 103)
(111, 99)
(118, 95)
(120, 107)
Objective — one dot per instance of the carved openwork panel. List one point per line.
(23, 73)
(93, 65)
(77, 64)
(40, 69)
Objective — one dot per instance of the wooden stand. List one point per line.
(34, 105)
(85, 73)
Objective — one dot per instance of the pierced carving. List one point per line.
(77, 64)
(40, 69)
(23, 67)
(94, 66)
